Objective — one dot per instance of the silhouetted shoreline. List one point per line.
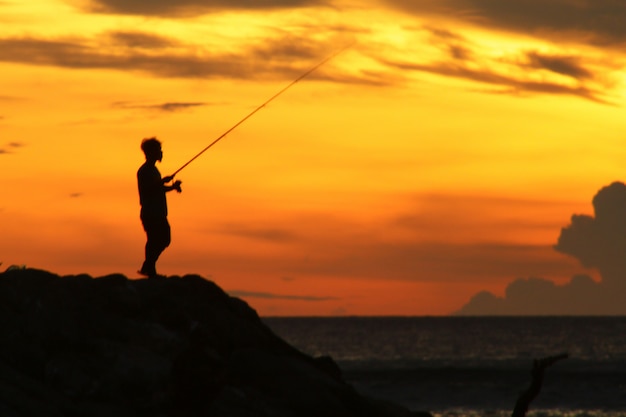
(176, 346)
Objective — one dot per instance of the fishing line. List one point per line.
(259, 108)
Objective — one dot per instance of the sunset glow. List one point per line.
(438, 156)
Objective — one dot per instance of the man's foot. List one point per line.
(150, 274)
(146, 273)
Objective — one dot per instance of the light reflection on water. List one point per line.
(473, 366)
(536, 413)
(457, 340)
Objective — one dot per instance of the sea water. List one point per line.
(473, 366)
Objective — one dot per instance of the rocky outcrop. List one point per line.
(177, 346)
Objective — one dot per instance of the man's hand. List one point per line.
(167, 179)
(176, 186)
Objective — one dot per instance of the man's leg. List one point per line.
(158, 238)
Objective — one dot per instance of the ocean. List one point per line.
(473, 366)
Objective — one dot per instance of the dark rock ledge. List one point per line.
(177, 346)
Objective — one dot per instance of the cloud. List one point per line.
(538, 296)
(443, 238)
(566, 65)
(523, 71)
(598, 242)
(165, 107)
(10, 145)
(191, 7)
(145, 40)
(429, 261)
(457, 46)
(510, 85)
(600, 22)
(270, 233)
(273, 296)
(283, 56)
(9, 98)
(77, 55)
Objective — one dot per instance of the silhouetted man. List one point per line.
(152, 189)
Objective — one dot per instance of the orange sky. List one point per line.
(438, 156)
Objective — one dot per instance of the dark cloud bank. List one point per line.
(572, 75)
(530, 71)
(190, 7)
(598, 242)
(282, 56)
(599, 22)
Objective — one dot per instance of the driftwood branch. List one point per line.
(526, 397)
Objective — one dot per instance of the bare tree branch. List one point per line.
(526, 397)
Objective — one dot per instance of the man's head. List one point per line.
(151, 147)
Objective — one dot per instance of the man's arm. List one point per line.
(174, 186)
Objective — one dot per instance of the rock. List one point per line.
(179, 346)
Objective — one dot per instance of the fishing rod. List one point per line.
(259, 108)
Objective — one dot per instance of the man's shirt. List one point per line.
(151, 191)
